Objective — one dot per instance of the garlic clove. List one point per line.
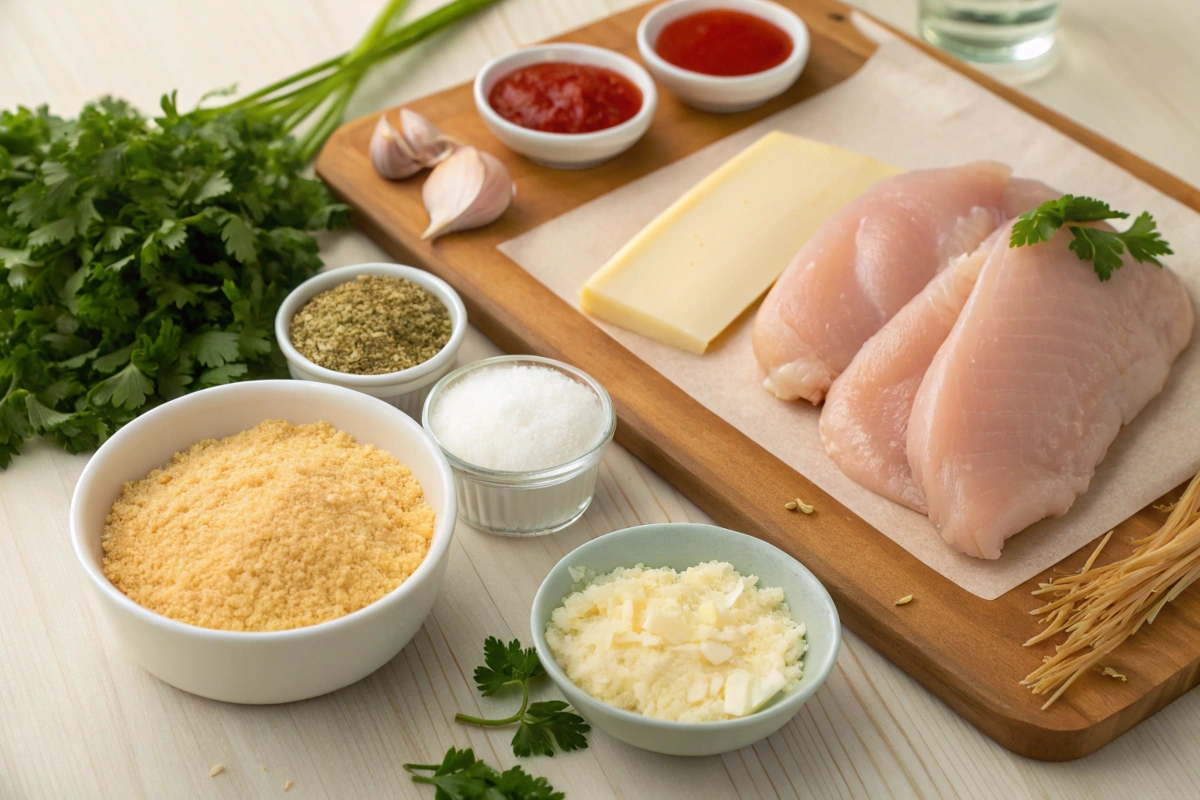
(467, 190)
(428, 145)
(390, 153)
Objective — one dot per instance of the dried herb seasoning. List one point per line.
(371, 326)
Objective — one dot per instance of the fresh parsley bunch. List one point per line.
(140, 260)
(1103, 248)
(461, 776)
(540, 726)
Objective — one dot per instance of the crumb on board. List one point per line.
(1110, 672)
(216, 770)
(799, 505)
(908, 598)
(287, 785)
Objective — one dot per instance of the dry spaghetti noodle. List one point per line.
(1100, 607)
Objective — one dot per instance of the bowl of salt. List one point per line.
(524, 436)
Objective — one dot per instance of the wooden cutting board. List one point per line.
(964, 649)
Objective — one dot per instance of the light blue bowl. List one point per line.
(679, 546)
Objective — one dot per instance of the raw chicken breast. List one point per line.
(864, 264)
(1043, 367)
(864, 424)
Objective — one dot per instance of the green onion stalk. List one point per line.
(328, 87)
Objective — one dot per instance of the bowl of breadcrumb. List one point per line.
(266, 541)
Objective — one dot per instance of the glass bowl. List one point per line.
(524, 503)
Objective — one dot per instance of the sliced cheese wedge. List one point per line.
(693, 270)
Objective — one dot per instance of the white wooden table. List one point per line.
(78, 719)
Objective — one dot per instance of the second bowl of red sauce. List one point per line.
(725, 42)
(723, 55)
(566, 105)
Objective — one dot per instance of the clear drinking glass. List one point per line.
(991, 31)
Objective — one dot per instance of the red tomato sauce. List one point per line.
(723, 42)
(557, 97)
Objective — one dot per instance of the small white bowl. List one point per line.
(405, 389)
(525, 503)
(714, 92)
(679, 546)
(272, 666)
(566, 150)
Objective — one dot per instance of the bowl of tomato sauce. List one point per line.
(568, 106)
(723, 55)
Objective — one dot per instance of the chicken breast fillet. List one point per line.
(864, 423)
(1041, 370)
(864, 264)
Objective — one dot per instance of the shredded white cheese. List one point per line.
(694, 646)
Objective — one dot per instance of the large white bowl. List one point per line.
(406, 389)
(718, 93)
(679, 546)
(566, 150)
(275, 666)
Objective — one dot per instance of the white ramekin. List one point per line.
(566, 150)
(273, 666)
(406, 389)
(525, 503)
(714, 92)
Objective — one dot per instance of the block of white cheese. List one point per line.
(693, 270)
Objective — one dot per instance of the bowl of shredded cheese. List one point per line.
(267, 541)
(685, 639)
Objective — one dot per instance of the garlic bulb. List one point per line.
(390, 154)
(398, 153)
(467, 190)
(426, 141)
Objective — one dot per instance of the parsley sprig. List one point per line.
(542, 725)
(1103, 248)
(461, 776)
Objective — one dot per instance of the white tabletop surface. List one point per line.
(78, 719)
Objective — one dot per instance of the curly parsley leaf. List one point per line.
(504, 665)
(461, 776)
(540, 726)
(1104, 248)
(546, 724)
(141, 259)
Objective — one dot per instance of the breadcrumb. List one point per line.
(216, 770)
(280, 526)
(287, 785)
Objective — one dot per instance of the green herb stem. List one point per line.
(496, 723)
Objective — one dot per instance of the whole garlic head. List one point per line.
(467, 190)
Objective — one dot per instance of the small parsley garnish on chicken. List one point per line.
(1102, 247)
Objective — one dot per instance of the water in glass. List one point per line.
(995, 31)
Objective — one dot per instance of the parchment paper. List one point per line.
(905, 108)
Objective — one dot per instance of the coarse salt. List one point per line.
(518, 418)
